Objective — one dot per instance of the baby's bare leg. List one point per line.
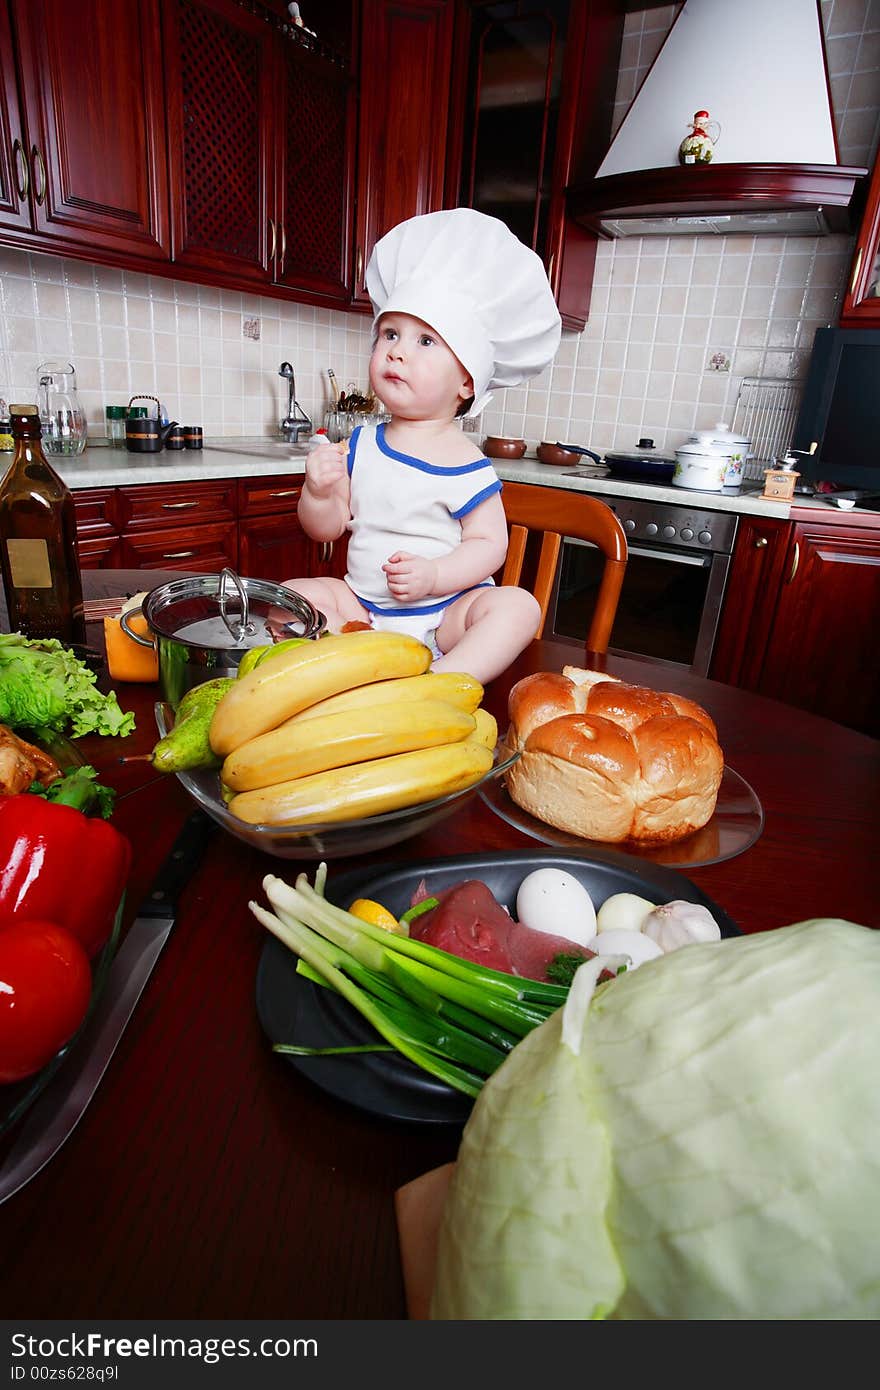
(485, 630)
(333, 598)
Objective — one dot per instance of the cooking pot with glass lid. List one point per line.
(202, 625)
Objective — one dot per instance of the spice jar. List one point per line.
(115, 416)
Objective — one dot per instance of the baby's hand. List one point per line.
(325, 467)
(409, 577)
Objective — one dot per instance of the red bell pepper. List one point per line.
(58, 865)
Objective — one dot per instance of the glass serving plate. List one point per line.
(339, 839)
(17, 1096)
(734, 827)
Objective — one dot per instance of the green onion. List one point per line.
(453, 1018)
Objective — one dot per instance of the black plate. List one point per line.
(292, 1009)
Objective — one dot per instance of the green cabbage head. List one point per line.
(698, 1139)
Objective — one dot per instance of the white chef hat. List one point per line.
(478, 286)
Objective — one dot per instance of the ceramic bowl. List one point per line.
(554, 453)
(498, 447)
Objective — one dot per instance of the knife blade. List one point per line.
(59, 1109)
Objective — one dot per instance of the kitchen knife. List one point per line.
(58, 1110)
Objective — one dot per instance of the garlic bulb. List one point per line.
(680, 923)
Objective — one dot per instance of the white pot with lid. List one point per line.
(729, 443)
(700, 464)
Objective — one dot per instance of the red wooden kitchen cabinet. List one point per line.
(261, 150)
(534, 85)
(82, 133)
(800, 617)
(750, 601)
(314, 175)
(405, 73)
(823, 653)
(221, 75)
(861, 305)
(272, 544)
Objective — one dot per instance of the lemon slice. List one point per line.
(369, 911)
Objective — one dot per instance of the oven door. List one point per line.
(669, 606)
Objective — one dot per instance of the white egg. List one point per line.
(551, 900)
(623, 910)
(622, 941)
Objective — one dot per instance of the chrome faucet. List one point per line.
(295, 422)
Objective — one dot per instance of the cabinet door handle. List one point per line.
(326, 552)
(178, 506)
(22, 173)
(177, 554)
(360, 266)
(550, 268)
(283, 248)
(857, 265)
(796, 559)
(39, 187)
(760, 542)
(274, 239)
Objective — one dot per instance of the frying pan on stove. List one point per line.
(643, 463)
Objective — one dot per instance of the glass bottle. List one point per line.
(38, 558)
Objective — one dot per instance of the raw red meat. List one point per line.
(468, 921)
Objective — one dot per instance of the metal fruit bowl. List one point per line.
(339, 840)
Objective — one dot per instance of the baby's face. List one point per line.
(413, 371)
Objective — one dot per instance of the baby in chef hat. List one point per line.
(462, 308)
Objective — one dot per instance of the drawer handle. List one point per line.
(289, 492)
(22, 173)
(178, 554)
(760, 542)
(178, 506)
(795, 562)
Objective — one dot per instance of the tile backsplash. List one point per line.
(675, 324)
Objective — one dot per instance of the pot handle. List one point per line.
(241, 626)
(130, 632)
(576, 449)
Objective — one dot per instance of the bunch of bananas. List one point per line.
(350, 726)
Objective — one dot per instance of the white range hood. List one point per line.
(758, 68)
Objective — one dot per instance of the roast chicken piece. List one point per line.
(21, 764)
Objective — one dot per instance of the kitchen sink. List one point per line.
(260, 448)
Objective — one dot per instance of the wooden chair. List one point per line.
(557, 513)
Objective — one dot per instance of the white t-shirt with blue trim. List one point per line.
(399, 502)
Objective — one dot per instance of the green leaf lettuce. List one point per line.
(44, 686)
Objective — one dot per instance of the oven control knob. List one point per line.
(687, 534)
(630, 524)
(668, 533)
(651, 528)
(704, 537)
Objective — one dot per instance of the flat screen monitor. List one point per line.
(839, 417)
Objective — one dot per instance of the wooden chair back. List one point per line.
(558, 512)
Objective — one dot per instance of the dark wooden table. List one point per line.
(209, 1180)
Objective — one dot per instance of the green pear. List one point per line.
(186, 745)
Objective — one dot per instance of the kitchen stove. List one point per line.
(679, 556)
(675, 523)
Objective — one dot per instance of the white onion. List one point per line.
(626, 910)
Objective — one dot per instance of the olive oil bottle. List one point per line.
(38, 558)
